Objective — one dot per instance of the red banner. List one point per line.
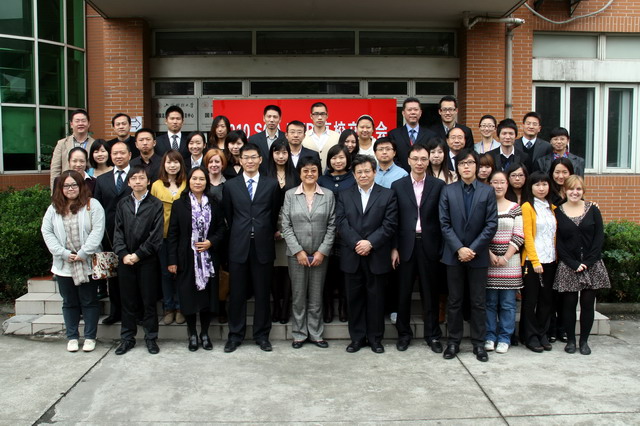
(343, 113)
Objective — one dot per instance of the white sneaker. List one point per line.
(89, 345)
(489, 345)
(393, 317)
(502, 348)
(72, 345)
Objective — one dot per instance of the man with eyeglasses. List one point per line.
(320, 138)
(530, 143)
(417, 247)
(448, 112)
(251, 204)
(469, 220)
(507, 154)
(387, 171)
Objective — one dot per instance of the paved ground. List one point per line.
(42, 383)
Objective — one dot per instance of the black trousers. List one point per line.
(426, 271)
(139, 282)
(365, 301)
(477, 280)
(537, 302)
(245, 279)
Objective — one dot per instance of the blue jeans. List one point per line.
(79, 299)
(169, 289)
(501, 315)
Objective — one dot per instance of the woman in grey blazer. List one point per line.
(308, 227)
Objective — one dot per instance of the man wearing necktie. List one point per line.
(411, 133)
(530, 143)
(174, 138)
(507, 154)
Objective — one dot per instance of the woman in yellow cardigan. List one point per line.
(539, 260)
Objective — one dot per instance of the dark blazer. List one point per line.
(404, 239)
(475, 231)
(438, 129)
(260, 139)
(400, 136)
(377, 224)
(105, 193)
(544, 163)
(306, 152)
(131, 143)
(518, 157)
(141, 232)
(163, 144)
(242, 214)
(152, 167)
(540, 149)
(582, 243)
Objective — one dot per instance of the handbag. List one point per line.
(104, 264)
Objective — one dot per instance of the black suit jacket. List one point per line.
(400, 136)
(544, 163)
(539, 150)
(404, 239)
(131, 143)
(163, 144)
(306, 152)
(518, 157)
(152, 167)
(105, 193)
(377, 224)
(260, 139)
(438, 129)
(242, 214)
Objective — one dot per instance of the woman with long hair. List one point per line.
(438, 165)
(561, 168)
(232, 144)
(220, 128)
(196, 146)
(349, 139)
(517, 174)
(486, 167)
(100, 158)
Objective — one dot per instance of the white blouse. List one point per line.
(545, 240)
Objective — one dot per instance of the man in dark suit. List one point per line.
(121, 124)
(295, 136)
(366, 217)
(149, 159)
(175, 138)
(456, 141)
(271, 132)
(560, 143)
(507, 154)
(411, 133)
(251, 203)
(449, 119)
(530, 143)
(417, 247)
(469, 220)
(110, 189)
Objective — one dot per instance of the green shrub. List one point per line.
(23, 253)
(621, 254)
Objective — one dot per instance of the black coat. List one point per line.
(105, 192)
(582, 243)
(400, 136)
(181, 254)
(139, 233)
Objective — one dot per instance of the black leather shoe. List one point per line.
(354, 347)
(481, 354)
(297, 344)
(152, 347)
(544, 342)
(570, 348)
(231, 346)
(537, 349)
(265, 345)
(451, 351)
(193, 343)
(111, 319)
(206, 342)
(320, 343)
(377, 347)
(436, 346)
(584, 348)
(403, 344)
(125, 346)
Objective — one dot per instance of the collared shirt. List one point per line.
(295, 158)
(525, 141)
(468, 191)
(256, 178)
(418, 189)
(271, 140)
(137, 202)
(387, 177)
(300, 191)
(545, 231)
(415, 129)
(506, 159)
(321, 140)
(170, 135)
(565, 155)
(82, 145)
(364, 196)
(196, 163)
(124, 175)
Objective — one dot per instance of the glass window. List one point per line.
(50, 19)
(174, 88)
(222, 88)
(305, 87)
(52, 128)
(19, 138)
(16, 71)
(203, 43)
(434, 88)
(548, 106)
(305, 42)
(75, 22)
(387, 87)
(565, 46)
(581, 122)
(407, 43)
(623, 47)
(16, 17)
(619, 127)
(75, 78)
(51, 74)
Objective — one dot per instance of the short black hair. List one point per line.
(250, 147)
(309, 160)
(490, 117)
(363, 159)
(117, 142)
(559, 131)
(384, 139)
(318, 105)
(534, 115)
(275, 108)
(145, 130)
(296, 123)
(410, 100)
(335, 150)
(507, 123)
(448, 98)
(79, 111)
(417, 147)
(174, 108)
(464, 154)
(118, 115)
(137, 169)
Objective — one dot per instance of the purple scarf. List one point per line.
(200, 222)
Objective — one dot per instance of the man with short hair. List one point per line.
(149, 159)
(175, 138)
(560, 142)
(366, 217)
(79, 122)
(456, 143)
(387, 171)
(411, 133)
(530, 143)
(320, 138)
(507, 154)
(121, 124)
(448, 112)
(295, 136)
(272, 116)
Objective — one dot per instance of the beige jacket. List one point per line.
(308, 142)
(60, 156)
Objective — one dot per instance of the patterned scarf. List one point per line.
(73, 243)
(200, 222)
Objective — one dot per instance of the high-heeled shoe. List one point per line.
(206, 342)
(343, 313)
(193, 343)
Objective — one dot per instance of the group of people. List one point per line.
(296, 218)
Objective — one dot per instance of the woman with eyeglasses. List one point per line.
(517, 174)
